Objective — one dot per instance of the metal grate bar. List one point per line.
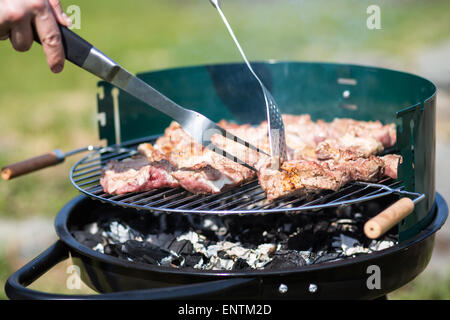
(214, 196)
(89, 176)
(108, 155)
(89, 182)
(169, 198)
(231, 203)
(86, 172)
(174, 204)
(140, 196)
(251, 201)
(103, 162)
(154, 196)
(221, 199)
(94, 189)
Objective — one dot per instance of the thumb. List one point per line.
(62, 18)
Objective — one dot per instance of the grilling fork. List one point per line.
(200, 128)
(276, 132)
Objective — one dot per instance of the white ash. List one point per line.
(167, 261)
(222, 243)
(380, 245)
(215, 225)
(308, 256)
(352, 247)
(118, 232)
(256, 258)
(100, 248)
(92, 228)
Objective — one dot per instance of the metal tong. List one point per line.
(200, 128)
(275, 122)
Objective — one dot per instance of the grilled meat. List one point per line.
(391, 163)
(322, 155)
(301, 177)
(199, 170)
(136, 175)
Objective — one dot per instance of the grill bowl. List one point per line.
(120, 279)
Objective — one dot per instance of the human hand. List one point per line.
(17, 19)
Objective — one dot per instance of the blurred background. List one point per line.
(41, 111)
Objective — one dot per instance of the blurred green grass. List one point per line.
(40, 111)
(5, 272)
(425, 287)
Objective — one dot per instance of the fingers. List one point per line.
(8, 15)
(59, 13)
(49, 34)
(22, 35)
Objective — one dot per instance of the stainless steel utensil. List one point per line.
(275, 122)
(199, 127)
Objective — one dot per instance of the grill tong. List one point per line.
(200, 128)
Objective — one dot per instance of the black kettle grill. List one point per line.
(323, 90)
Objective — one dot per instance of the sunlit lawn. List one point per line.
(40, 111)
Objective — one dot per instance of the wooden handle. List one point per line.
(385, 220)
(30, 165)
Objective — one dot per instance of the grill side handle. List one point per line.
(16, 285)
(385, 220)
(34, 164)
(40, 162)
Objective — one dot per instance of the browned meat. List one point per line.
(199, 169)
(391, 162)
(296, 177)
(300, 177)
(323, 155)
(314, 132)
(202, 179)
(383, 133)
(135, 175)
(303, 135)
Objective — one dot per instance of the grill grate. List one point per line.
(249, 198)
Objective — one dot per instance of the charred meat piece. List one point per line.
(303, 135)
(385, 134)
(391, 163)
(314, 132)
(295, 177)
(136, 175)
(302, 177)
(200, 170)
(364, 138)
(202, 179)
